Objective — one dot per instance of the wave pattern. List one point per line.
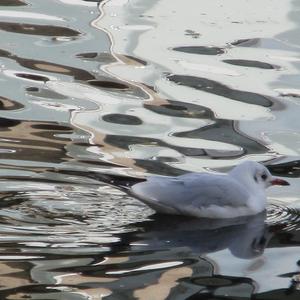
(130, 88)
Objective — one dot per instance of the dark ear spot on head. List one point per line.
(255, 178)
(264, 176)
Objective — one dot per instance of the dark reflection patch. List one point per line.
(6, 123)
(12, 3)
(288, 169)
(44, 66)
(108, 84)
(32, 89)
(34, 29)
(95, 161)
(4, 53)
(266, 43)
(32, 77)
(9, 199)
(88, 55)
(138, 60)
(192, 33)
(37, 154)
(124, 142)
(203, 50)
(246, 42)
(158, 167)
(216, 88)
(228, 284)
(8, 104)
(290, 293)
(230, 154)
(181, 110)
(102, 57)
(224, 131)
(53, 135)
(216, 281)
(44, 93)
(250, 63)
(122, 119)
(51, 127)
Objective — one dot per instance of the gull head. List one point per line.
(254, 174)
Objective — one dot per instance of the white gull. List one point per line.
(240, 192)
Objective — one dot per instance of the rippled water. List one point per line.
(97, 95)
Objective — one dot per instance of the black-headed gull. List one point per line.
(240, 192)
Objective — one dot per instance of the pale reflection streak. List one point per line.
(166, 282)
(8, 277)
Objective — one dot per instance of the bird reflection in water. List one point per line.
(166, 256)
(245, 237)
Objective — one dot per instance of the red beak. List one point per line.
(278, 181)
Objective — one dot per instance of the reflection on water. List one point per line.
(244, 237)
(102, 94)
(61, 242)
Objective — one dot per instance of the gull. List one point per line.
(240, 192)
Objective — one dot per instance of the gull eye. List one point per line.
(264, 176)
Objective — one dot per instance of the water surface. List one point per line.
(94, 91)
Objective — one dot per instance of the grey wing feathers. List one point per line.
(196, 189)
(208, 189)
(158, 192)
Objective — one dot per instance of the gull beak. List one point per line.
(278, 181)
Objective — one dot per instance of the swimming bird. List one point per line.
(240, 192)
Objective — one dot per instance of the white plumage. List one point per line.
(240, 192)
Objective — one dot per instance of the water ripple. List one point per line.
(143, 87)
(282, 215)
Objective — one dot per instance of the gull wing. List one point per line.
(196, 190)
